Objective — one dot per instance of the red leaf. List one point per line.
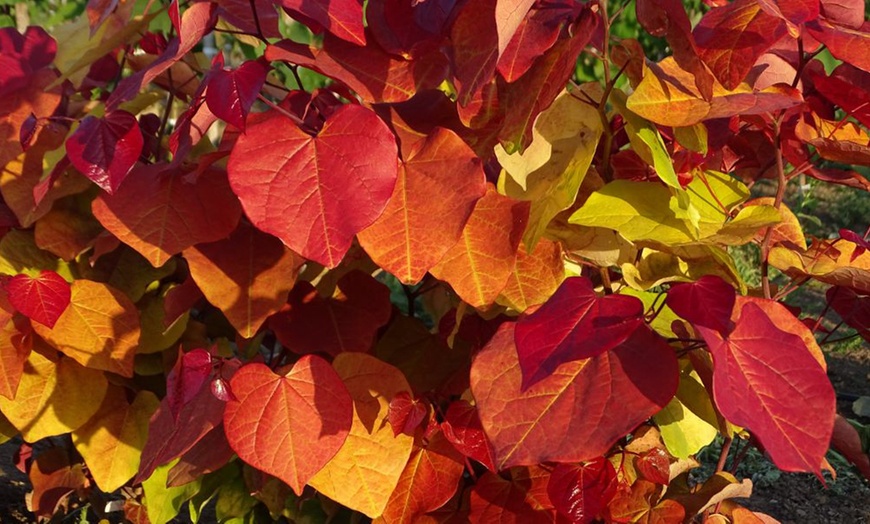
(170, 437)
(23, 55)
(394, 26)
(520, 497)
(846, 87)
(707, 302)
(347, 322)
(732, 38)
(162, 211)
(480, 34)
(372, 73)
(308, 411)
(573, 324)
(462, 428)
(767, 380)
(848, 44)
(536, 34)
(853, 308)
(232, 92)
(196, 21)
(580, 492)
(342, 18)
(186, 379)
(106, 149)
(849, 13)
(240, 14)
(406, 413)
(294, 185)
(654, 465)
(42, 299)
(580, 411)
(523, 100)
(847, 442)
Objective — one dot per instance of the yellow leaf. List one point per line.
(56, 395)
(688, 422)
(366, 470)
(99, 328)
(550, 171)
(831, 262)
(111, 441)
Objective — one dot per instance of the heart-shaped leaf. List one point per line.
(529, 426)
(581, 491)
(232, 92)
(574, 324)
(106, 149)
(707, 302)
(315, 192)
(42, 299)
(308, 411)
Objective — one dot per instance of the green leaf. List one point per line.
(164, 503)
(688, 422)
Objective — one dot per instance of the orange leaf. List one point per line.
(438, 185)
(479, 264)
(570, 415)
(429, 481)
(111, 441)
(787, 231)
(14, 347)
(519, 499)
(366, 470)
(667, 95)
(99, 328)
(56, 395)
(53, 479)
(247, 276)
(160, 211)
(288, 425)
(840, 263)
(536, 276)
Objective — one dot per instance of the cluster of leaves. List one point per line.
(198, 260)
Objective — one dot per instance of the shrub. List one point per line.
(393, 260)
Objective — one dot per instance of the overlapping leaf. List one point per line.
(346, 322)
(372, 73)
(430, 479)
(667, 96)
(439, 183)
(521, 498)
(342, 18)
(364, 473)
(248, 275)
(99, 329)
(573, 324)
(161, 211)
(106, 149)
(479, 264)
(56, 395)
(840, 263)
(779, 392)
(111, 441)
(296, 187)
(732, 37)
(569, 416)
(306, 412)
